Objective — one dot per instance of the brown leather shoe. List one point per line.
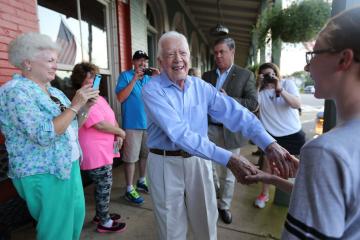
(225, 215)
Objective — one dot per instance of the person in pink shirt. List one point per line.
(100, 139)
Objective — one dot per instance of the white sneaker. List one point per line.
(261, 200)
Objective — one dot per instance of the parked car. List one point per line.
(309, 89)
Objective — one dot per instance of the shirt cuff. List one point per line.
(48, 126)
(263, 141)
(221, 156)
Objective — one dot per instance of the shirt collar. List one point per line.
(226, 71)
(166, 82)
(33, 84)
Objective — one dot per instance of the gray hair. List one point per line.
(26, 46)
(227, 40)
(170, 34)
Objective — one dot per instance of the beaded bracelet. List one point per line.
(73, 109)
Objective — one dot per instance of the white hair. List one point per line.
(174, 35)
(26, 46)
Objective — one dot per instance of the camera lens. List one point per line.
(148, 71)
(268, 79)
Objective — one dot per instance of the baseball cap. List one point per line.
(140, 54)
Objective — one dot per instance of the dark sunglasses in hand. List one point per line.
(61, 106)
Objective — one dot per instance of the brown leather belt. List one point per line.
(161, 152)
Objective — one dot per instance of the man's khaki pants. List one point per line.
(182, 189)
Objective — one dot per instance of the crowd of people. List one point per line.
(186, 133)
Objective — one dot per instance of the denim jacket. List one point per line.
(26, 115)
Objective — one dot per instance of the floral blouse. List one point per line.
(26, 114)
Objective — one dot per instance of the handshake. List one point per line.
(281, 162)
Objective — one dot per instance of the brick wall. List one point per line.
(138, 25)
(16, 17)
(123, 15)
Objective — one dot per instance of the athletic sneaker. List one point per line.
(116, 227)
(261, 200)
(142, 186)
(134, 197)
(113, 216)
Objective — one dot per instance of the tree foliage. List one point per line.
(300, 22)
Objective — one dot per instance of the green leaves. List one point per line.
(300, 22)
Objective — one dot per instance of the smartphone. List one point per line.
(96, 82)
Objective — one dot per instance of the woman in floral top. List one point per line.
(40, 125)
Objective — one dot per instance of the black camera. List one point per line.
(148, 71)
(268, 79)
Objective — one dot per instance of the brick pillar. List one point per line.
(123, 17)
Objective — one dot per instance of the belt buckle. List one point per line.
(184, 154)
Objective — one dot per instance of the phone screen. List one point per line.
(96, 83)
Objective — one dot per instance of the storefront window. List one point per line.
(151, 36)
(81, 31)
(88, 41)
(94, 37)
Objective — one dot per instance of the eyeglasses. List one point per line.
(61, 106)
(310, 55)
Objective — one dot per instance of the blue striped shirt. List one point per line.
(177, 119)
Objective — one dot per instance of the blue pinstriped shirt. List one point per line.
(177, 119)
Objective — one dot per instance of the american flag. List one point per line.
(66, 41)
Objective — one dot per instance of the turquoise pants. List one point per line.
(57, 205)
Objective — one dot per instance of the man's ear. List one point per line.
(159, 61)
(346, 59)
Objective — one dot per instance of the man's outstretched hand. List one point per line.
(281, 161)
(241, 167)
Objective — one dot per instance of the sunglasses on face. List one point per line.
(61, 106)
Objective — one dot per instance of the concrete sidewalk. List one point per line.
(248, 222)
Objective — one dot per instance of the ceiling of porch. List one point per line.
(239, 16)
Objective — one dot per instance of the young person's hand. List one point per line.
(260, 177)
